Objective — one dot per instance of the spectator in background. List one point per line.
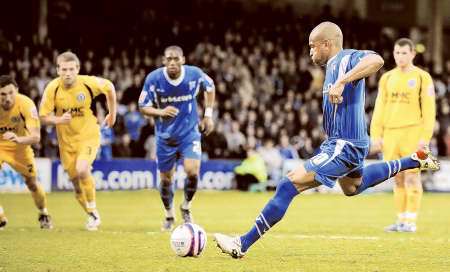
(235, 141)
(287, 151)
(447, 141)
(134, 121)
(252, 170)
(272, 157)
(215, 144)
(131, 94)
(106, 138)
(41, 80)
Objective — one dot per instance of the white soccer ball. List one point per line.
(188, 240)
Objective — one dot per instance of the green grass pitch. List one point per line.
(319, 233)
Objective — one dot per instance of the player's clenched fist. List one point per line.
(170, 111)
(65, 118)
(10, 136)
(335, 92)
(207, 125)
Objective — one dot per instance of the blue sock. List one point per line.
(190, 187)
(271, 214)
(166, 193)
(378, 172)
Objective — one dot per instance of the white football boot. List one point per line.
(229, 245)
(93, 221)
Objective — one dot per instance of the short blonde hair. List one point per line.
(67, 56)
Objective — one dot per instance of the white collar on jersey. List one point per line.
(174, 82)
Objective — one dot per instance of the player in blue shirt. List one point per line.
(342, 154)
(169, 95)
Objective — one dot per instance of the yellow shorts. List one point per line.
(86, 151)
(21, 159)
(401, 142)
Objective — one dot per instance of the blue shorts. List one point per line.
(337, 158)
(169, 150)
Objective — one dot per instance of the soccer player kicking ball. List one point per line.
(342, 154)
(403, 120)
(169, 95)
(20, 128)
(66, 103)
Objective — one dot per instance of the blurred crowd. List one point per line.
(268, 92)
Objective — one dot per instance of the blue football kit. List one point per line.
(179, 136)
(343, 153)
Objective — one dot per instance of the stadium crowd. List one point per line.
(268, 92)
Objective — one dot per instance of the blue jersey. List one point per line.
(346, 120)
(160, 91)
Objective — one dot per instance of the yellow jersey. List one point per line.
(404, 99)
(19, 119)
(77, 100)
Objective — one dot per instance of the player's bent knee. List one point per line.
(82, 172)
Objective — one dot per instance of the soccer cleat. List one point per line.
(426, 159)
(93, 221)
(186, 215)
(229, 245)
(392, 228)
(3, 222)
(407, 227)
(168, 224)
(45, 221)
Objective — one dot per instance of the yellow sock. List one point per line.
(88, 185)
(400, 201)
(414, 198)
(39, 198)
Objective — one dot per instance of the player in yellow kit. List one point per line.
(66, 103)
(403, 121)
(20, 128)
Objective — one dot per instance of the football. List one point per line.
(188, 240)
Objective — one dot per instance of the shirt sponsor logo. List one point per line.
(172, 99)
(75, 112)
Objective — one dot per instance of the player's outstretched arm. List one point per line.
(111, 101)
(207, 124)
(367, 66)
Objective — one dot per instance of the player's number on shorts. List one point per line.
(197, 148)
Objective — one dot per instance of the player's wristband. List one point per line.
(209, 112)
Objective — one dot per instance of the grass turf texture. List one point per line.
(319, 233)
